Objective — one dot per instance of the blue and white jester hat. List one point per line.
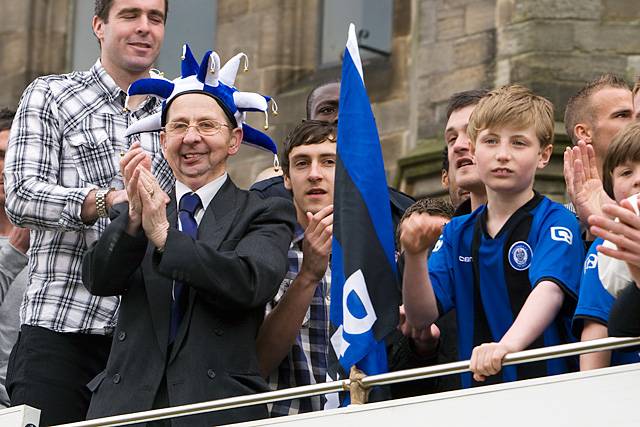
(211, 79)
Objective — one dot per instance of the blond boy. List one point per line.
(511, 268)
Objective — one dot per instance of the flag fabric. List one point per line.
(364, 289)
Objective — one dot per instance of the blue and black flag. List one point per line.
(364, 278)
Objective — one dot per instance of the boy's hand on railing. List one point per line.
(486, 359)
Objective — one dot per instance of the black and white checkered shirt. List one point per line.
(306, 362)
(66, 139)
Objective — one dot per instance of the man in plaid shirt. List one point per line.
(61, 178)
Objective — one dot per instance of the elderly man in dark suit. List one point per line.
(194, 268)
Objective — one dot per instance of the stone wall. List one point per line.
(33, 41)
(456, 49)
(283, 46)
(456, 52)
(551, 46)
(280, 39)
(555, 46)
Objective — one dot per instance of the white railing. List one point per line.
(343, 385)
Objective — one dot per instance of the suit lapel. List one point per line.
(219, 215)
(213, 228)
(159, 287)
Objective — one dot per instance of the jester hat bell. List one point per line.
(211, 79)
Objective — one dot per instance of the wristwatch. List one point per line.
(101, 202)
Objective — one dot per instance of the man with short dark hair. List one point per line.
(592, 118)
(599, 110)
(102, 8)
(323, 104)
(62, 177)
(294, 338)
(462, 168)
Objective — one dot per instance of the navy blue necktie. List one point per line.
(189, 204)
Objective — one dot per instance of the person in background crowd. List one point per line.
(323, 102)
(464, 184)
(596, 114)
(499, 253)
(592, 119)
(624, 232)
(60, 173)
(621, 179)
(439, 342)
(194, 266)
(14, 243)
(457, 195)
(323, 105)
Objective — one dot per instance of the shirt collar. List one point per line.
(463, 208)
(298, 234)
(112, 91)
(103, 79)
(206, 193)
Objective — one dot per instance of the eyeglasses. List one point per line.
(204, 128)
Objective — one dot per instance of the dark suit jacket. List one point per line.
(232, 269)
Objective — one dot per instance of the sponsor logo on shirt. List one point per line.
(520, 255)
(562, 234)
(590, 262)
(465, 258)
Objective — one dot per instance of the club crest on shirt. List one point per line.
(520, 255)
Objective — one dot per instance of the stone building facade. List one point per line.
(438, 47)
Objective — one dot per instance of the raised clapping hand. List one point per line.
(625, 234)
(582, 178)
(420, 231)
(135, 158)
(316, 246)
(154, 204)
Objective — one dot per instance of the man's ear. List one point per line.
(444, 179)
(234, 141)
(98, 28)
(163, 143)
(583, 131)
(287, 181)
(545, 156)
